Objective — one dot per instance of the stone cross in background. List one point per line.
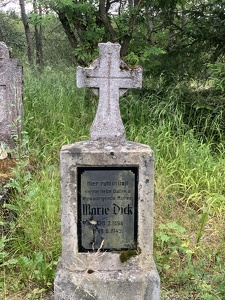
(109, 77)
(11, 98)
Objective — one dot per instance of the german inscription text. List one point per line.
(107, 208)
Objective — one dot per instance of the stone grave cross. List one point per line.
(109, 78)
(107, 191)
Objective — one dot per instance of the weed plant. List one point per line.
(189, 188)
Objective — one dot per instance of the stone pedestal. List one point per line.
(107, 223)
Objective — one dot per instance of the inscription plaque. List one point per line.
(107, 208)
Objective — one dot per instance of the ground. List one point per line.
(6, 166)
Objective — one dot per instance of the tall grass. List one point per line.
(56, 112)
(189, 176)
(192, 164)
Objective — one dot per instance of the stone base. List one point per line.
(133, 283)
(109, 274)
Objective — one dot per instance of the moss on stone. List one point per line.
(127, 254)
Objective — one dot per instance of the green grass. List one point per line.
(189, 184)
(55, 111)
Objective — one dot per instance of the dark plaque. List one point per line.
(107, 208)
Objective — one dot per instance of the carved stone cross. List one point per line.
(109, 78)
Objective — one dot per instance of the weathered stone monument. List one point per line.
(107, 198)
(11, 98)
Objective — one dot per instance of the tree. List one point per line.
(27, 31)
(170, 37)
(86, 23)
(11, 32)
(38, 32)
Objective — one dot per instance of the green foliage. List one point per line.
(217, 76)
(193, 168)
(175, 38)
(21, 177)
(11, 32)
(179, 112)
(175, 251)
(37, 267)
(203, 221)
(189, 187)
(170, 239)
(70, 118)
(31, 248)
(56, 47)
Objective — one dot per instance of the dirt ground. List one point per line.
(6, 166)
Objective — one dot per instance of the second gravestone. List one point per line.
(11, 99)
(107, 198)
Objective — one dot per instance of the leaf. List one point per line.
(165, 266)
(12, 261)
(10, 206)
(177, 227)
(164, 238)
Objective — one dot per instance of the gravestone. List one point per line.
(11, 98)
(107, 198)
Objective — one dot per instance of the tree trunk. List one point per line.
(149, 24)
(104, 18)
(27, 31)
(132, 21)
(67, 28)
(39, 46)
(38, 32)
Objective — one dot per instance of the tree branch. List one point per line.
(132, 22)
(68, 30)
(105, 20)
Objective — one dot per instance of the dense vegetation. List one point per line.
(179, 112)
